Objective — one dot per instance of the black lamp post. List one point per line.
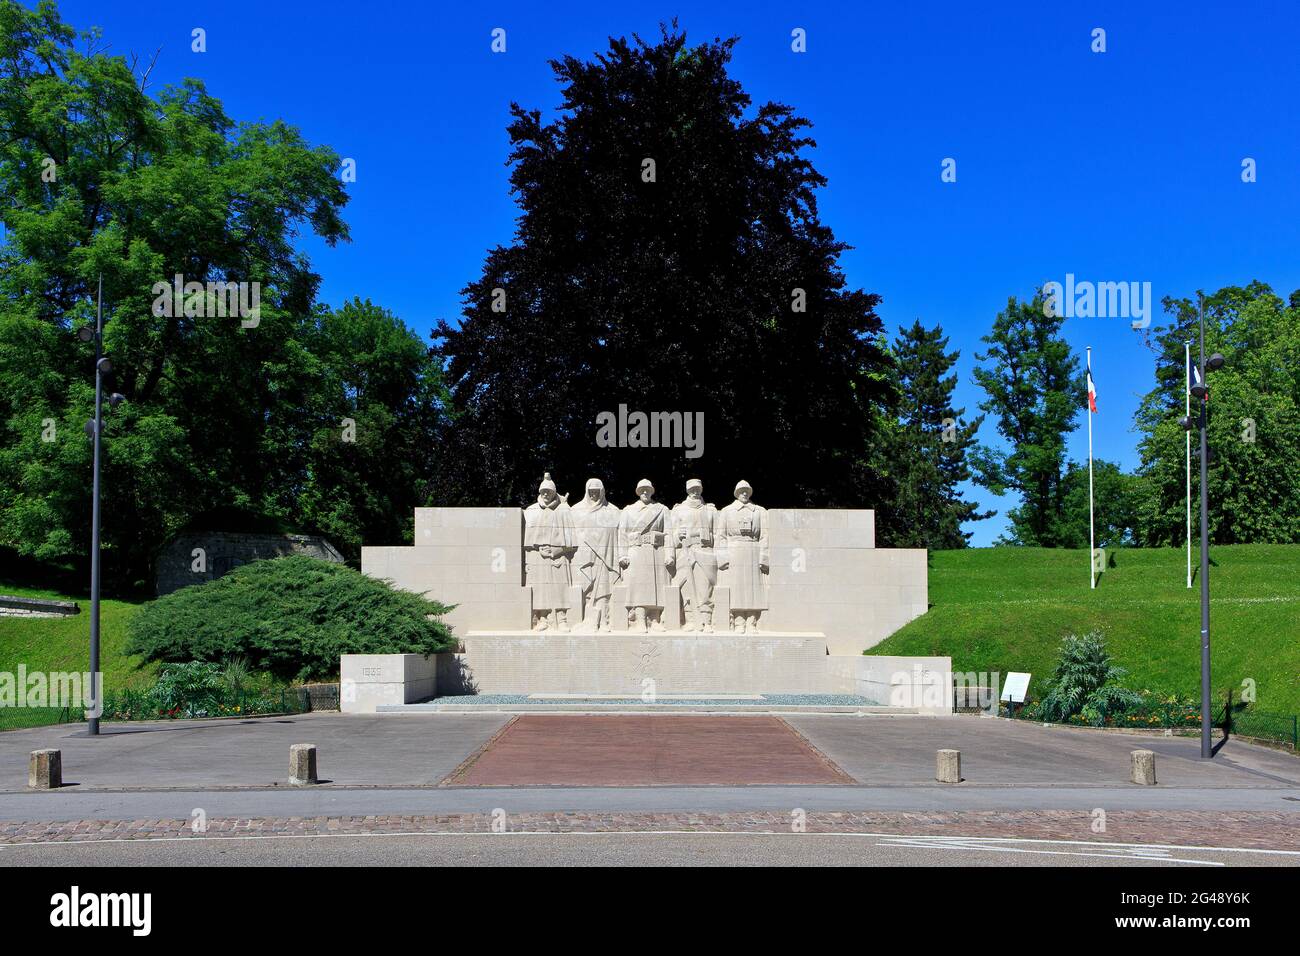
(94, 428)
(1201, 393)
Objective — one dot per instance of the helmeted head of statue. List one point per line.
(694, 488)
(645, 490)
(546, 490)
(744, 491)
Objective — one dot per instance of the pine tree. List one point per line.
(930, 447)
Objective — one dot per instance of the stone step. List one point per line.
(574, 707)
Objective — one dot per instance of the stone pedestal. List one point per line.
(368, 680)
(631, 664)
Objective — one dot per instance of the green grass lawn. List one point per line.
(1006, 609)
(63, 644)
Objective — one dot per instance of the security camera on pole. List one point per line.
(95, 428)
(1199, 392)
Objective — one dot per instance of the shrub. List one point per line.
(291, 617)
(1085, 682)
(188, 690)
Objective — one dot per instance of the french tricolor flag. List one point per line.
(1092, 389)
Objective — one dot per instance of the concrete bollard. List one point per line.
(948, 766)
(45, 770)
(1144, 768)
(302, 765)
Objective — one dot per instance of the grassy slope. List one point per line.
(63, 644)
(1006, 609)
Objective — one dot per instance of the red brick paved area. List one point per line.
(1254, 830)
(639, 751)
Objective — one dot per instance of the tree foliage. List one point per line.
(291, 617)
(224, 425)
(927, 459)
(1254, 420)
(1035, 393)
(676, 291)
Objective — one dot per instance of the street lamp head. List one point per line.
(104, 365)
(90, 427)
(1187, 423)
(116, 399)
(1215, 361)
(86, 333)
(1198, 390)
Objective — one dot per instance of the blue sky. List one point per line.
(1115, 166)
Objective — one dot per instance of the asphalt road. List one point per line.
(627, 849)
(331, 801)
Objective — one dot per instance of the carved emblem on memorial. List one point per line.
(742, 540)
(596, 566)
(549, 542)
(645, 553)
(694, 531)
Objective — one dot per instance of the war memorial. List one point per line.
(647, 601)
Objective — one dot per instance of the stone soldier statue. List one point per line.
(694, 528)
(646, 551)
(596, 563)
(742, 533)
(549, 542)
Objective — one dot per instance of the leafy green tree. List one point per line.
(1035, 393)
(928, 450)
(372, 466)
(668, 257)
(1117, 497)
(230, 421)
(1254, 421)
(291, 617)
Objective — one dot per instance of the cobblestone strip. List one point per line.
(1252, 829)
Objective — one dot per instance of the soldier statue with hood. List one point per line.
(596, 563)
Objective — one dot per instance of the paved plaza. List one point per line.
(421, 786)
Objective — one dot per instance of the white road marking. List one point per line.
(1123, 852)
(929, 841)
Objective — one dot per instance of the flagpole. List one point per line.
(1092, 560)
(1187, 401)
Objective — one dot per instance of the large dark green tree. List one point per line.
(668, 257)
(929, 447)
(1035, 393)
(1254, 420)
(225, 424)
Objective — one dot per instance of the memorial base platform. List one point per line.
(522, 671)
(626, 664)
